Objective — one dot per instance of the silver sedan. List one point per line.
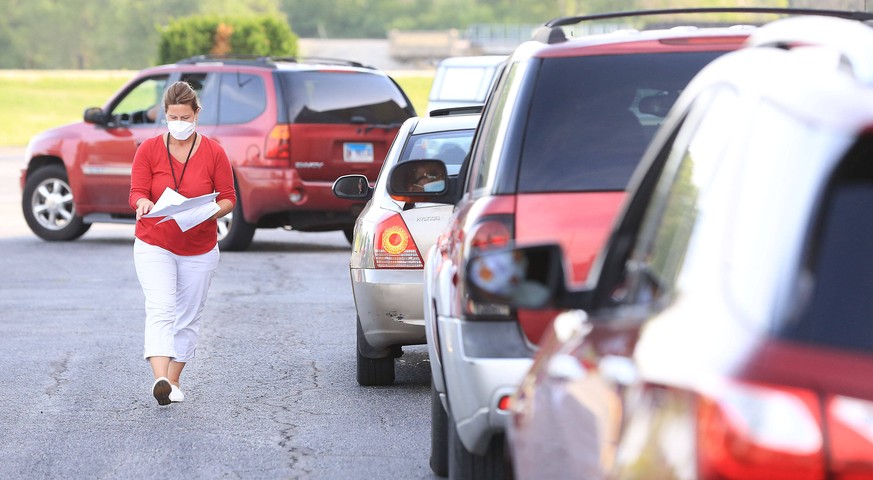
(392, 238)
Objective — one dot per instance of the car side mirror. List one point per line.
(420, 181)
(352, 187)
(96, 116)
(529, 277)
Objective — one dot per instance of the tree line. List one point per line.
(111, 34)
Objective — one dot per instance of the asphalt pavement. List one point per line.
(271, 393)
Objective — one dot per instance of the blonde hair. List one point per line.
(181, 93)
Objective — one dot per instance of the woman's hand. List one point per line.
(143, 206)
(225, 207)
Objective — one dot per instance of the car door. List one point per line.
(107, 151)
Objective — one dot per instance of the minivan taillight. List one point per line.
(278, 146)
(755, 431)
(492, 231)
(395, 247)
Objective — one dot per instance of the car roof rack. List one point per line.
(267, 61)
(233, 58)
(450, 111)
(325, 60)
(551, 31)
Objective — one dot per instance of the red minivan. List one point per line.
(290, 128)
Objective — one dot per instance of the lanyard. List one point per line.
(186, 161)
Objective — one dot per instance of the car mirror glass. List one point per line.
(418, 177)
(352, 187)
(526, 277)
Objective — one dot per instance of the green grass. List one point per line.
(36, 100)
(417, 88)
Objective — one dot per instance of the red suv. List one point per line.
(289, 127)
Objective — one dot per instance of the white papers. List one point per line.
(187, 212)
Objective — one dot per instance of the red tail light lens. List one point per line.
(751, 431)
(395, 247)
(492, 231)
(278, 145)
(850, 434)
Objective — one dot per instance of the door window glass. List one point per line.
(669, 221)
(207, 90)
(494, 127)
(141, 105)
(837, 277)
(242, 98)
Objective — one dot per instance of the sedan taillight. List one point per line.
(395, 247)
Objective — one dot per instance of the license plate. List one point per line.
(358, 152)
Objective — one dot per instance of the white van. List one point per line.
(462, 81)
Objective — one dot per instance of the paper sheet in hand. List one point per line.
(187, 212)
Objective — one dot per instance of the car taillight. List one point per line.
(753, 431)
(395, 247)
(850, 437)
(492, 231)
(278, 145)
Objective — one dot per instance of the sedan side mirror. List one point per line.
(352, 187)
(421, 181)
(96, 116)
(525, 277)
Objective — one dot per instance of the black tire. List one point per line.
(235, 234)
(469, 466)
(48, 207)
(372, 371)
(439, 435)
(350, 235)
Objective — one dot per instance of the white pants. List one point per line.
(175, 288)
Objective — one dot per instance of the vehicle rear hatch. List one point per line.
(341, 121)
(591, 119)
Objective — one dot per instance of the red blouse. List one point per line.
(208, 171)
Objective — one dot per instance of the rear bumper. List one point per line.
(389, 305)
(482, 363)
(266, 191)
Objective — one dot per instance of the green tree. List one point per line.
(251, 35)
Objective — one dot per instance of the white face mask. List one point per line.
(180, 130)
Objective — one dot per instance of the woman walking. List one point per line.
(175, 267)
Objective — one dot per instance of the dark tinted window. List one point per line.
(242, 98)
(591, 118)
(840, 269)
(343, 97)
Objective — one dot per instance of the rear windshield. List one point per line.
(837, 298)
(591, 118)
(451, 147)
(344, 97)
